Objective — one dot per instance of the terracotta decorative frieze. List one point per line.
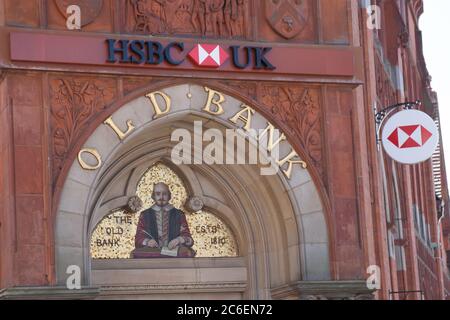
(296, 106)
(74, 103)
(288, 18)
(299, 108)
(215, 18)
(295, 21)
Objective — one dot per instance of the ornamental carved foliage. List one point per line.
(215, 18)
(299, 109)
(74, 103)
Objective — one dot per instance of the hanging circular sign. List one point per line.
(410, 137)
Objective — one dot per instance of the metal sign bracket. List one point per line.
(382, 115)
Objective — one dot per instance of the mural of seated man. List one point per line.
(162, 231)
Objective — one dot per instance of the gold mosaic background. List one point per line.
(212, 237)
(113, 238)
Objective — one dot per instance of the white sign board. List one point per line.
(410, 137)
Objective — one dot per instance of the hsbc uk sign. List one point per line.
(410, 137)
(176, 53)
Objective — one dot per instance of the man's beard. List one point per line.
(162, 204)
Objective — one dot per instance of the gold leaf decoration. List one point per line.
(113, 238)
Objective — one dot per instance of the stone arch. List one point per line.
(279, 223)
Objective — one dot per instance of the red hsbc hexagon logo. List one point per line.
(410, 137)
(209, 55)
(405, 137)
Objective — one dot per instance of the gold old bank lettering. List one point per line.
(90, 159)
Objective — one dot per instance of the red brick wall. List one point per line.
(6, 244)
(400, 49)
(428, 272)
(341, 181)
(29, 170)
(27, 209)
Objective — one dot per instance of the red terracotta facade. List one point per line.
(364, 192)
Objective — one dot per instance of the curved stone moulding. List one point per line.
(279, 223)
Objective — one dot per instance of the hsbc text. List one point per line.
(176, 53)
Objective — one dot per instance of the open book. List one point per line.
(165, 251)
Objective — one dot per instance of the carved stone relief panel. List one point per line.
(96, 15)
(288, 20)
(206, 18)
(299, 108)
(74, 103)
(90, 9)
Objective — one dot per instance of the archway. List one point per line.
(278, 220)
